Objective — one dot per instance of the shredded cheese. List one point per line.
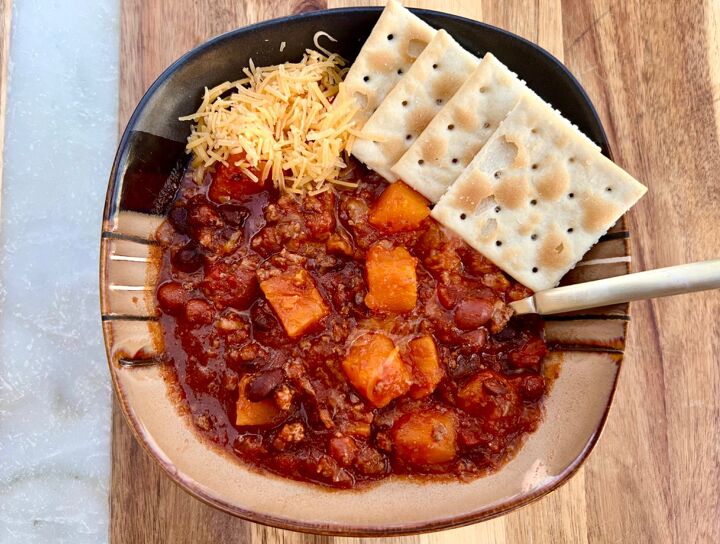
(285, 122)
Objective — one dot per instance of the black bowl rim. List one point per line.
(319, 528)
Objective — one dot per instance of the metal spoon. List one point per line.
(662, 282)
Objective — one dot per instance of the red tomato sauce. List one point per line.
(344, 337)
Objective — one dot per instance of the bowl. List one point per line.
(587, 346)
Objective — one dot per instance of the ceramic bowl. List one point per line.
(145, 175)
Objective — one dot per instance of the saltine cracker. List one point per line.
(537, 196)
(429, 84)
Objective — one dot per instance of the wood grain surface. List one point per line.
(653, 71)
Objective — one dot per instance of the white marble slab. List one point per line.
(61, 130)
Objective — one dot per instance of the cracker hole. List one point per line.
(483, 89)
(435, 66)
(400, 72)
(390, 36)
(534, 166)
(421, 162)
(534, 269)
(366, 79)
(608, 189)
(486, 125)
(570, 229)
(571, 159)
(404, 103)
(533, 237)
(454, 161)
(438, 101)
(451, 126)
(534, 130)
(497, 209)
(463, 216)
(571, 195)
(408, 136)
(533, 202)
(497, 174)
(498, 243)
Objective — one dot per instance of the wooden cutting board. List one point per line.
(653, 71)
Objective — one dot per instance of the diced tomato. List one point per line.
(296, 301)
(488, 395)
(231, 183)
(249, 413)
(343, 449)
(373, 365)
(497, 281)
(529, 355)
(476, 263)
(398, 209)
(199, 312)
(320, 214)
(392, 280)
(356, 428)
(230, 285)
(518, 291)
(427, 371)
(426, 438)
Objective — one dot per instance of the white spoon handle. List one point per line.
(661, 282)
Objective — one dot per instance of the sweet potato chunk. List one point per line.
(391, 279)
(427, 372)
(398, 209)
(426, 438)
(249, 413)
(296, 300)
(373, 365)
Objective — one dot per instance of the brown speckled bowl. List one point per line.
(150, 158)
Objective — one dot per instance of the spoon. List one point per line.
(661, 282)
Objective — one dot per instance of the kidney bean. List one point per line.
(233, 215)
(178, 218)
(188, 258)
(473, 313)
(171, 297)
(263, 383)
